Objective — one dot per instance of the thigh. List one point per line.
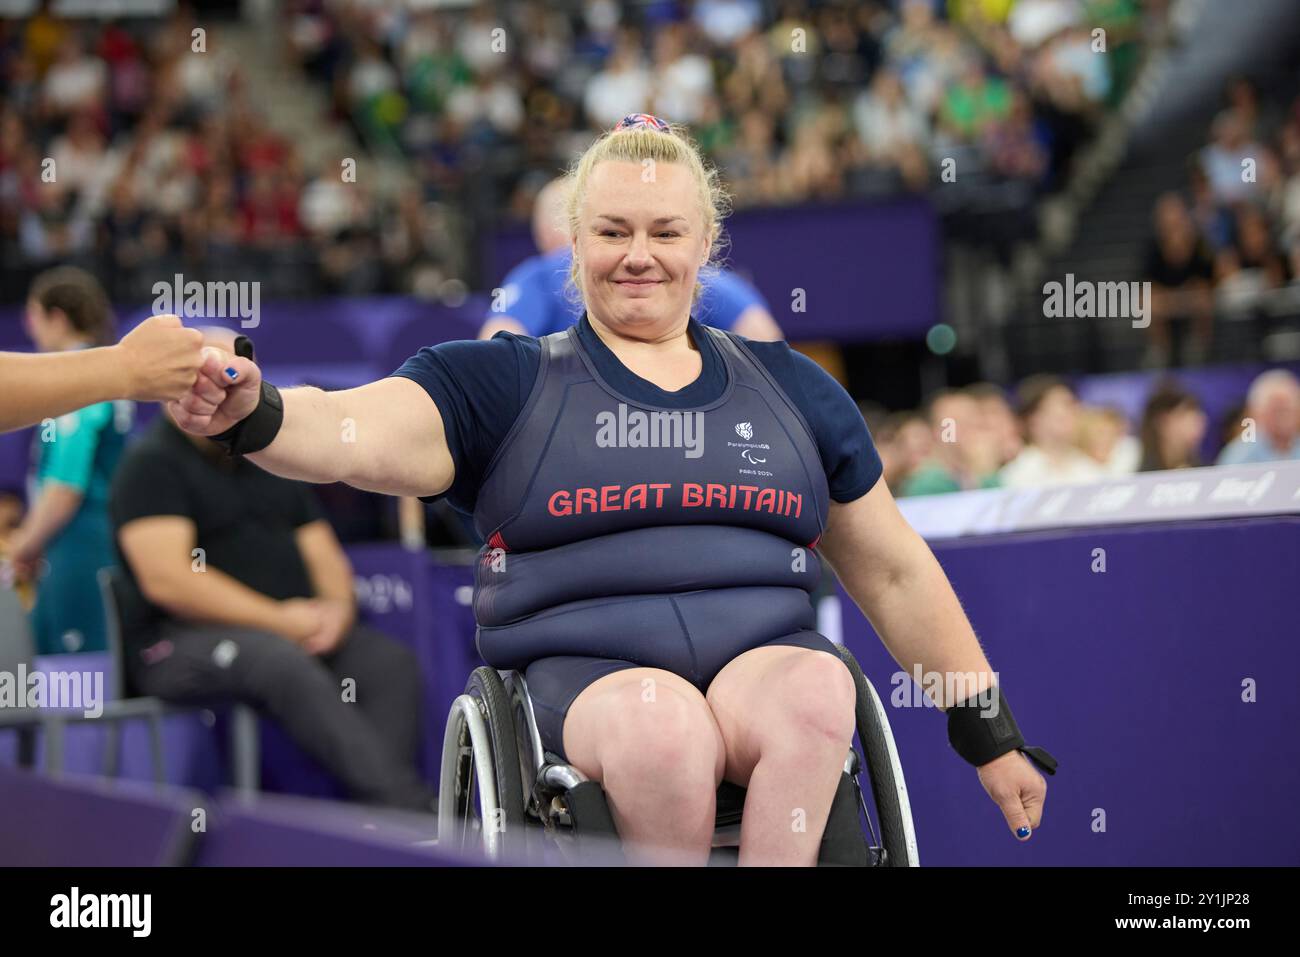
(193, 661)
(553, 685)
(756, 695)
(634, 707)
(368, 655)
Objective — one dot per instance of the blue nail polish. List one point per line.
(230, 371)
(1022, 832)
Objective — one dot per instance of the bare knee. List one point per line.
(661, 740)
(815, 700)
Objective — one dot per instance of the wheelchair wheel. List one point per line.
(481, 795)
(888, 789)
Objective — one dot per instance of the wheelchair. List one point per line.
(502, 796)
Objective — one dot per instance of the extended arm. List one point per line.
(157, 360)
(895, 579)
(386, 436)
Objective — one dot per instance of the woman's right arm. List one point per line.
(386, 436)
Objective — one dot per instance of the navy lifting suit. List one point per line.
(619, 534)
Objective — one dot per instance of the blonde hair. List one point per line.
(638, 145)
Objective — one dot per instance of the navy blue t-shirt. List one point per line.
(481, 386)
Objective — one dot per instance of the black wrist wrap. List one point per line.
(980, 732)
(258, 429)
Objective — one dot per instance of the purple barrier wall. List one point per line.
(271, 831)
(1133, 679)
(869, 270)
(77, 821)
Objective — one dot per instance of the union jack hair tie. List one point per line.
(634, 121)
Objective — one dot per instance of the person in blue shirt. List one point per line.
(72, 463)
(1273, 402)
(533, 299)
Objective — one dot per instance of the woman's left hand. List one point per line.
(1018, 789)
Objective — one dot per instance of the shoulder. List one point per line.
(843, 441)
(471, 355)
(1028, 466)
(539, 269)
(930, 479)
(725, 298)
(793, 370)
(527, 271)
(1234, 453)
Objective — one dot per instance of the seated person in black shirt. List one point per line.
(239, 589)
(1181, 273)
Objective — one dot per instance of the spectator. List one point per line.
(73, 458)
(1224, 159)
(726, 21)
(1103, 435)
(999, 420)
(964, 453)
(890, 131)
(1250, 268)
(1180, 272)
(623, 86)
(905, 442)
(83, 163)
(975, 102)
(1013, 147)
(489, 105)
(682, 80)
(75, 81)
(1049, 415)
(271, 619)
(1272, 431)
(1173, 425)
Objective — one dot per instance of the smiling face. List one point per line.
(639, 245)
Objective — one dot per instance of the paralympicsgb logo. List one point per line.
(745, 430)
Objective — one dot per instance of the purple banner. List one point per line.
(1161, 684)
(867, 271)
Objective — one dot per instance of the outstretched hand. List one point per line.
(160, 358)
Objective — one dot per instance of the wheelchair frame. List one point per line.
(492, 750)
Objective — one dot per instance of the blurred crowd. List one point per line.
(126, 151)
(978, 437)
(1228, 244)
(793, 100)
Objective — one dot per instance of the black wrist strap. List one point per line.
(980, 729)
(258, 429)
